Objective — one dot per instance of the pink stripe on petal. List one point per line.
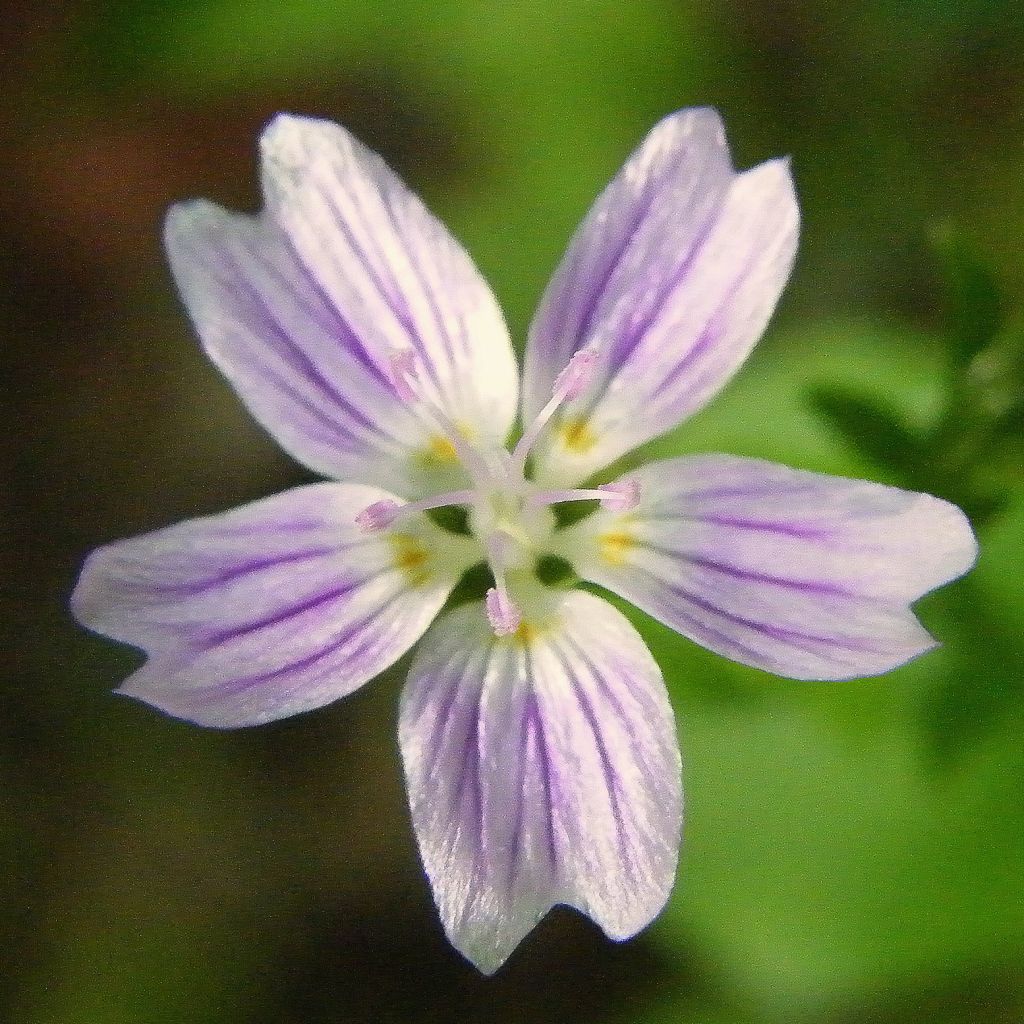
(294, 360)
(382, 259)
(646, 224)
(541, 770)
(670, 280)
(797, 573)
(265, 611)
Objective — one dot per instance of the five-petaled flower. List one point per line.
(538, 741)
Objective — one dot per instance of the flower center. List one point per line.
(509, 515)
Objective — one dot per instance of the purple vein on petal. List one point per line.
(803, 531)
(611, 778)
(599, 286)
(198, 587)
(296, 358)
(317, 600)
(818, 587)
(426, 290)
(389, 290)
(711, 333)
(549, 779)
(443, 719)
(631, 340)
(469, 774)
(604, 685)
(796, 638)
(699, 628)
(323, 313)
(746, 491)
(522, 753)
(332, 427)
(389, 295)
(336, 642)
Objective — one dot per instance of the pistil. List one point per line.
(507, 514)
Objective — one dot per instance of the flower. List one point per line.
(538, 742)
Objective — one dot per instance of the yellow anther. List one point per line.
(615, 546)
(411, 557)
(577, 436)
(440, 449)
(525, 634)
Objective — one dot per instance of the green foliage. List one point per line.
(851, 849)
(970, 453)
(875, 431)
(975, 305)
(855, 838)
(555, 572)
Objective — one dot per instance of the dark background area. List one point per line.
(854, 852)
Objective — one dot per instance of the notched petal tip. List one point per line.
(266, 611)
(677, 269)
(541, 773)
(802, 575)
(285, 127)
(82, 602)
(183, 220)
(773, 184)
(389, 275)
(954, 544)
(690, 120)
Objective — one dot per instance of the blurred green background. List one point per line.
(854, 852)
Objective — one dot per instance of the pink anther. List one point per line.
(378, 516)
(403, 374)
(621, 496)
(573, 380)
(502, 614)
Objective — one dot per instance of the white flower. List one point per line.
(539, 746)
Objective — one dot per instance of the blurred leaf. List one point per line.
(975, 308)
(764, 412)
(995, 382)
(984, 681)
(555, 572)
(453, 518)
(824, 860)
(823, 865)
(873, 429)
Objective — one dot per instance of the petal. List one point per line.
(542, 768)
(804, 575)
(379, 256)
(293, 358)
(671, 280)
(271, 609)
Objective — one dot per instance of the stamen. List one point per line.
(404, 375)
(569, 385)
(572, 381)
(502, 614)
(381, 514)
(378, 516)
(621, 496)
